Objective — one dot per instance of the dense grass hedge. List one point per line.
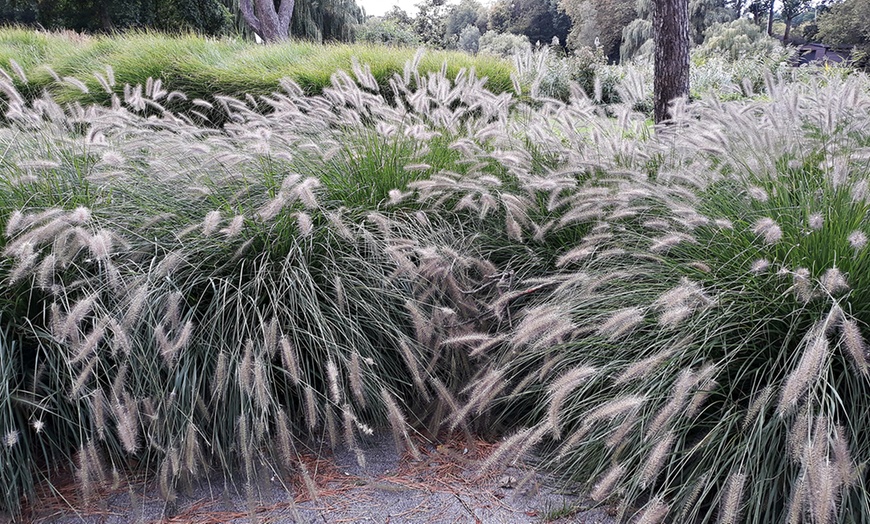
(202, 67)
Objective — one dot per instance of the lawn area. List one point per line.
(673, 316)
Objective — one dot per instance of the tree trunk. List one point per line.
(787, 32)
(105, 18)
(770, 19)
(271, 24)
(671, 34)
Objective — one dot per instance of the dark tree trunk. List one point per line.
(105, 18)
(787, 33)
(770, 19)
(671, 34)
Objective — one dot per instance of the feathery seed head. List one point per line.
(560, 389)
(614, 408)
(860, 191)
(857, 239)
(621, 322)
(768, 229)
(211, 222)
(15, 222)
(833, 281)
(332, 374)
(664, 243)
(79, 215)
(543, 326)
(11, 438)
(855, 344)
(654, 512)
(808, 369)
(642, 368)
(730, 506)
(756, 193)
(802, 286)
(100, 245)
(816, 221)
(604, 487)
(656, 459)
(760, 266)
(235, 226)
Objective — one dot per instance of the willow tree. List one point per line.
(671, 36)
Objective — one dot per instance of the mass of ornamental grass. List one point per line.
(674, 317)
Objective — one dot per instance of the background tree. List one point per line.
(19, 11)
(637, 36)
(705, 13)
(539, 20)
(760, 11)
(469, 39)
(383, 30)
(462, 15)
(671, 34)
(603, 20)
(204, 16)
(270, 21)
(431, 22)
(846, 24)
(791, 9)
(326, 20)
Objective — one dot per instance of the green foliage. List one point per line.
(845, 23)
(202, 68)
(431, 22)
(326, 21)
(203, 16)
(598, 23)
(538, 20)
(705, 13)
(386, 31)
(791, 10)
(504, 45)
(469, 39)
(460, 16)
(737, 40)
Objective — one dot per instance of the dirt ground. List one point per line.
(443, 486)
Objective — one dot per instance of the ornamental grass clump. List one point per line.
(656, 309)
(732, 321)
(197, 299)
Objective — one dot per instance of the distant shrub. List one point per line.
(377, 30)
(738, 40)
(503, 44)
(469, 39)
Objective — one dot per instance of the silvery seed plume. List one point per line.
(543, 326)
(833, 281)
(656, 459)
(854, 343)
(815, 352)
(558, 391)
(604, 487)
(654, 512)
(768, 230)
(621, 322)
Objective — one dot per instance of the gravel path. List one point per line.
(443, 486)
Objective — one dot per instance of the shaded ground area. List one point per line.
(444, 485)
